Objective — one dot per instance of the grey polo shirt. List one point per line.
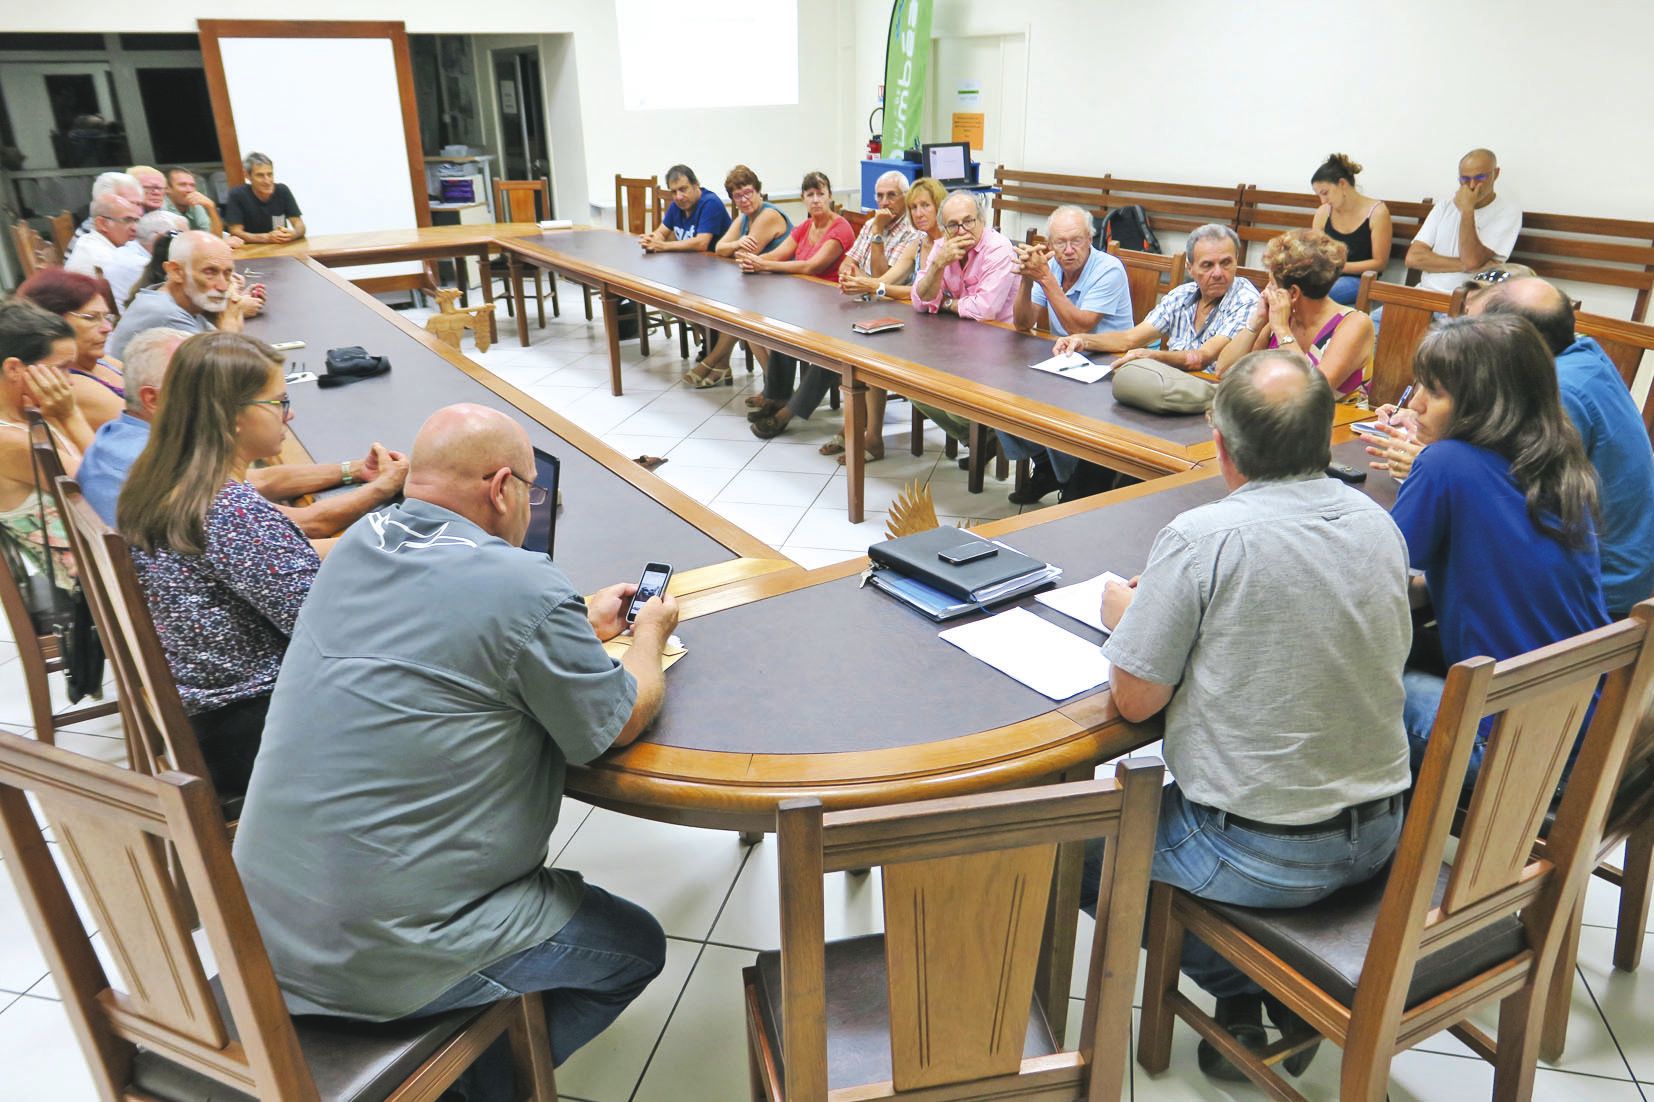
(395, 831)
(1280, 614)
(154, 308)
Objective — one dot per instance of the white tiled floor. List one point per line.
(682, 1041)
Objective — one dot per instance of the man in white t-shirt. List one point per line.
(1449, 245)
(113, 220)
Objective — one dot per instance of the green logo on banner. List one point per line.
(906, 58)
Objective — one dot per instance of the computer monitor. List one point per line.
(542, 518)
(948, 163)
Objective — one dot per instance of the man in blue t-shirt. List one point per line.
(694, 222)
(1611, 427)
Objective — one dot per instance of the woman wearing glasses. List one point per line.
(759, 227)
(83, 302)
(223, 571)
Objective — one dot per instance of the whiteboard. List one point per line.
(328, 112)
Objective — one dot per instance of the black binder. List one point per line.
(917, 557)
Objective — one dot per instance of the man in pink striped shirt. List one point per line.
(972, 271)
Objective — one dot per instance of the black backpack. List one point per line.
(1130, 227)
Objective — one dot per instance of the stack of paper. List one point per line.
(1082, 600)
(1036, 652)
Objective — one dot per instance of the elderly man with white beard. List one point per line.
(202, 292)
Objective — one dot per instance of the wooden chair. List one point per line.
(159, 737)
(1625, 342)
(1175, 208)
(856, 218)
(40, 656)
(33, 251)
(164, 1029)
(1037, 194)
(1379, 967)
(637, 212)
(1610, 252)
(63, 231)
(967, 880)
(1148, 276)
(1259, 277)
(1408, 312)
(530, 201)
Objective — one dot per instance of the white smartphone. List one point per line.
(287, 346)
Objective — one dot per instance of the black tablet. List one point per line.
(542, 519)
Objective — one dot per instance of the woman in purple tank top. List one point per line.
(1296, 312)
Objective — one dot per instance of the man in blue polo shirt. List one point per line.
(1068, 286)
(1610, 425)
(696, 219)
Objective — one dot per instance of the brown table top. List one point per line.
(609, 526)
(413, 243)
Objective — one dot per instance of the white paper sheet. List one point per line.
(1035, 651)
(1082, 600)
(1073, 365)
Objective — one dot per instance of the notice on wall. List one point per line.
(968, 95)
(968, 126)
(508, 97)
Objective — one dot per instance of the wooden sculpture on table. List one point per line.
(450, 321)
(914, 510)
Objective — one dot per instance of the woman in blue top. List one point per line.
(760, 227)
(1500, 508)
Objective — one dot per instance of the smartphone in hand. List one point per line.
(652, 584)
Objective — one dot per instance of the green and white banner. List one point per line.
(907, 56)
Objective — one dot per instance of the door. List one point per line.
(63, 114)
(986, 74)
(522, 113)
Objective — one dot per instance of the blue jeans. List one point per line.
(1344, 290)
(1200, 850)
(1016, 448)
(591, 970)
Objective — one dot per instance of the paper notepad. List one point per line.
(557, 224)
(1036, 652)
(1074, 366)
(1082, 600)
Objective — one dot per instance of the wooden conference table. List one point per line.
(796, 682)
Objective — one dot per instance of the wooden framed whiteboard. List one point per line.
(332, 104)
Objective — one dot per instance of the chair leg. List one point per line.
(556, 306)
(951, 448)
(978, 464)
(1002, 466)
(531, 1050)
(916, 439)
(833, 398)
(1560, 989)
(540, 296)
(642, 317)
(1636, 883)
(683, 339)
(1165, 945)
(1024, 472)
(1517, 1058)
(588, 293)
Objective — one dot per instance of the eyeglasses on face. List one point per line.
(95, 317)
(1479, 178)
(284, 402)
(536, 493)
(964, 223)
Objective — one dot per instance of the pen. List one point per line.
(1401, 403)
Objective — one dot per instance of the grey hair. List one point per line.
(108, 182)
(1280, 435)
(107, 205)
(253, 160)
(962, 193)
(1211, 231)
(893, 174)
(145, 363)
(157, 223)
(1081, 212)
(184, 246)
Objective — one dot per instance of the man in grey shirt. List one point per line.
(200, 293)
(1271, 628)
(439, 681)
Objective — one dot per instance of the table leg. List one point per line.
(855, 460)
(461, 282)
(642, 313)
(979, 464)
(485, 275)
(611, 328)
(514, 273)
(1056, 967)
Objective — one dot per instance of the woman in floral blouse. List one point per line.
(224, 572)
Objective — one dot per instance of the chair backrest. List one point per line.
(1259, 277)
(63, 231)
(856, 218)
(1148, 276)
(1039, 193)
(1611, 252)
(158, 732)
(1625, 342)
(1175, 207)
(1265, 215)
(968, 879)
(1408, 313)
(660, 199)
(635, 203)
(33, 251)
(522, 200)
(37, 655)
(1538, 701)
(113, 827)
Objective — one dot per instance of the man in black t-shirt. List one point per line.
(261, 209)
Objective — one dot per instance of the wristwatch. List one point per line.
(880, 292)
(878, 239)
(1288, 339)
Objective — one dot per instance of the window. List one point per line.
(664, 48)
(179, 111)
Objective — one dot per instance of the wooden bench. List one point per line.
(1175, 208)
(1040, 193)
(1609, 252)
(1266, 214)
